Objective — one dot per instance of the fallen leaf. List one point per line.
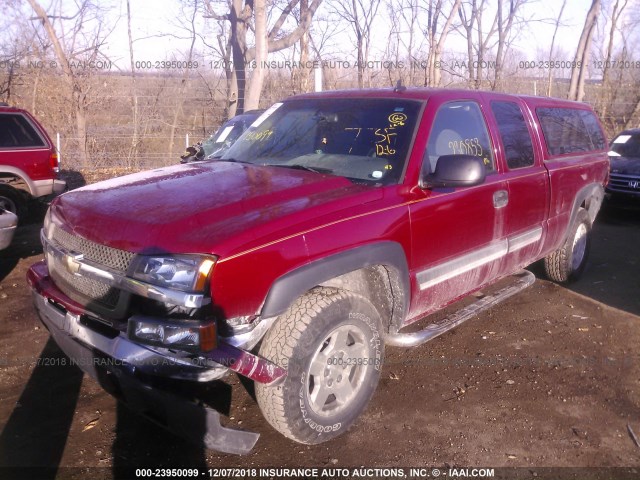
(90, 425)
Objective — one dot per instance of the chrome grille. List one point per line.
(102, 255)
(624, 183)
(87, 287)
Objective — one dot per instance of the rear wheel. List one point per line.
(567, 264)
(13, 201)
(330, 343)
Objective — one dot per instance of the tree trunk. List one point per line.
(256, 81)
(133, 148)
(578, 72)
(183, 83)
(480, 56)
(553, 42)
(239, 15)
(504, 29)
(606, 98)
(439, 46)
(634, 119)
(360, 61)
(467, 24)
(70, 80)
(304, 71)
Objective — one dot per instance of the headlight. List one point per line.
(188, 335)
(186, 273)
(48, 225)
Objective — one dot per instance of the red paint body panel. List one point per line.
(34, 162)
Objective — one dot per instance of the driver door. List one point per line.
(458, 238)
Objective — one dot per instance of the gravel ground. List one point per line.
(550, 378)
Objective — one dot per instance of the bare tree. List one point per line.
(437, 36)
(583, 53)
(404, 17)
(616, 13)
(177, 111)
(252, 98)
(467, 22)
(472, 16)
(78, 48)
(504, 29)
(557, 23)
(241, 18)
(359, 15)
(301, 73)
(134, 92)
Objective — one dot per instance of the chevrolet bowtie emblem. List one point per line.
(72, 262)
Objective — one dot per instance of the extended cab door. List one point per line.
(527, 181)
(457, 234)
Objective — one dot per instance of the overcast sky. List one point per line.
(156, 23)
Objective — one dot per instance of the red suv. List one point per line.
(28, 161)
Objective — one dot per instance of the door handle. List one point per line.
(500, 198)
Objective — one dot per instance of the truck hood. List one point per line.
(208, 207)
(625, 165)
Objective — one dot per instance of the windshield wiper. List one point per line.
(230, 160)
(297, 166)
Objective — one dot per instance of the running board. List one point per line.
(525, 279)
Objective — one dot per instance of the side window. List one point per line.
(518, 148)
(568, 130)
(16, 131)
(459, 129)
(593, 127)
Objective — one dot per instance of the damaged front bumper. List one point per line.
(121, 365)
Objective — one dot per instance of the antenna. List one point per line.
(399, 87)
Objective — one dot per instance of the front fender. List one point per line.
(295, 283)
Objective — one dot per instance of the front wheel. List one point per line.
(330, 343)
(567, 264)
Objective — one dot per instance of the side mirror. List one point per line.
(455, 171)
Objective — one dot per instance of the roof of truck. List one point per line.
(424, 93)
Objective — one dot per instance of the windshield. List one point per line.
(362, 139)
(228, 133)
(626, 145)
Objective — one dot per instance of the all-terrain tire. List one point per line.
(567, 264)
(13, 201)
(330, 342)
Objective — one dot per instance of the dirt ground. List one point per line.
(550, 378)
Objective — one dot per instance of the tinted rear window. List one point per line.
(593, 127)
(568, 130)
(17, 132)
(518, 148)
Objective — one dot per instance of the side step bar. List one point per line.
(525, 279)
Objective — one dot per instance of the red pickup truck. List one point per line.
(337, 220)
